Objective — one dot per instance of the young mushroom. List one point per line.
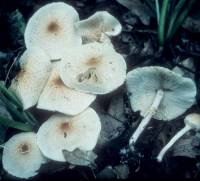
(96, 68)
(159, 93)
(98, 27)
(35, 67)
(52, 29)
(58, 97)
(192, 121)
(61, 132)
(21, 155)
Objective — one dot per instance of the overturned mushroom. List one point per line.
(35, 69)
(21, 155)
(192, 121)
(58, 97)
(61, 132)
(96, 69)
(159, 93)
(52, 29)
(98, 27)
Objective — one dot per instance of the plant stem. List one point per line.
(172, 141)
(161, 25)
(147, 117)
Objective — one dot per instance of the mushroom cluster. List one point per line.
(162, 94)
(67, 62)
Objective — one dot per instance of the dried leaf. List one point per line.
(187, 147)
(139, 9)
(79, 157)
(122, 171)
(17, 27)
(107, 173)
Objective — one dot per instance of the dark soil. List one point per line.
(141, 162)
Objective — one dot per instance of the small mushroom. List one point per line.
(52, 29)
(30, 80)
(61, 132)
(159, 93)
(58, 97)
(96, 68)
(21, 155)
(192, 121)
(188, 64)
(98, 27)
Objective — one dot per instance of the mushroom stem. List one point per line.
(172, 141)
(147, 116)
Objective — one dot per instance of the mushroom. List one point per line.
(96, 68)
(30, 80)
(188, 64)
(21, 155)
(192, 121)
(58, 97)
(98, 27)
(61, 132)
(52, 29)
(159, 93)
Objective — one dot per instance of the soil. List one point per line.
(138, 44)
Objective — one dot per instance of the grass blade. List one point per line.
(14, 124)
(157, 11)
(13, 110)
(10, 95)
(180, 19)
(176, 11)
(161, 25)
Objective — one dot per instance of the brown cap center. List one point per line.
(24, 148)
(53, 27)
(92, 62)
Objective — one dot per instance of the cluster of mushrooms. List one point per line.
(66, 64)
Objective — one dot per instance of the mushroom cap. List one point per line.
(143, 84)
(99, 23)
(58, 97)
(96, 68)
(21, 155)
(193, 120)
(61, 132)
(52, 29)
(31, 79)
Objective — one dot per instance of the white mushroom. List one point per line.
(192, 121)
(52, 29)
(61, 132)
(187, 63)
(98, 27)
(21, 155)
(58, 97)
(31, 79)
(93, 68)
(159, 93)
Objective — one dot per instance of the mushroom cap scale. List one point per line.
(31, 79)
(58, 97)
(96, 69)
(99, 23)
(61, 132)
(143, 83)
(21, 155)
(193, 120)
(52, 29)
